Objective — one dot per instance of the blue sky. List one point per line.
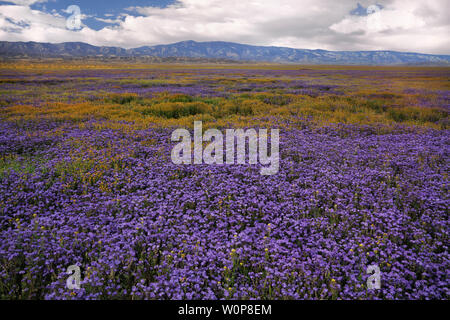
(97, 9)
(413, 25)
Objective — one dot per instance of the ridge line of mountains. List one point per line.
(220, 50)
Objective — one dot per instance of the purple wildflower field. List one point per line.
(86, 179)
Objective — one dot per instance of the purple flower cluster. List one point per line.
(141, 227)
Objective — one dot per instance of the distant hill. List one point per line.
(223, 50)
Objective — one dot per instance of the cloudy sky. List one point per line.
(402, 25)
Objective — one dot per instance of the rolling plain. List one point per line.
(86, 178)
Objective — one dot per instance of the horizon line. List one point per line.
(221, 41)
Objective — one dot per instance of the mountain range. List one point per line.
(222, 50)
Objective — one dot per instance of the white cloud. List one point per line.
(380, 21)
(401, 25)
(412, 25)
